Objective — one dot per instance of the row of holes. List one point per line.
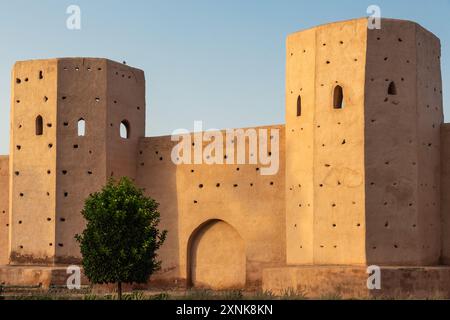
(64, 172)
(50, 244)
(40, 77)
(64, 98)
(234, 185)
(66, 194)
(81, 127)
(78, 69)
(342, 42)
(97, 99)
(48, 220)
(395, 246)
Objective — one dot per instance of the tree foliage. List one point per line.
(121, 238)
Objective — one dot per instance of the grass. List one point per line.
(193, 294)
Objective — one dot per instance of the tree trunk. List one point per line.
(119, 290)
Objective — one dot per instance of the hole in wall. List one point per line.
(41, 75)
(81, 127)
(124, 129)
(18, 81)
(39, 125)
(50, 145)
(299, 106)
(338, 97)
(75, 146)
(45, 98)
(392, 89)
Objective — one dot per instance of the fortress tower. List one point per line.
(65, 143)
(363, 116)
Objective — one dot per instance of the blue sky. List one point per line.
(217, 61)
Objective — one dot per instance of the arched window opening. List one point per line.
(125, 129)
(39, 126)
(81, 127)
(338, 98)
(392, 90)
(299, 106)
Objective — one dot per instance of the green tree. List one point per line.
(121, 237)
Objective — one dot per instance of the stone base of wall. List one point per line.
(351, 282)
(30, 275)
(47, 276)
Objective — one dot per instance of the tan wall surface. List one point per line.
(445, 192)
(325, 146)
(339, 234)
(4, 210)
(126, 101)
(429, 119)
(250, 203)
(300, 81)
(33, 157)
(81, 160)
(402, 183)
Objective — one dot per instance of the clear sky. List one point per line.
(217, 61)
